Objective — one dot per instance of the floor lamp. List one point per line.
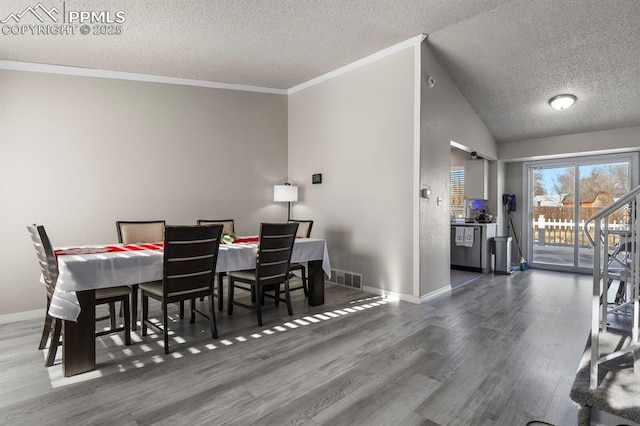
(286, 193)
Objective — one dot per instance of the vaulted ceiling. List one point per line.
(508, 57)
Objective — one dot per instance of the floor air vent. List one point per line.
(345, 278)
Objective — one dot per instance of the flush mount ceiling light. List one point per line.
(561, 102)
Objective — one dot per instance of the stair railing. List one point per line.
(630, 271)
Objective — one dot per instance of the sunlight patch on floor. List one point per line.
(57, 380)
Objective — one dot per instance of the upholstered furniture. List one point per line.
(73, 299)
(131, 232)
(49, 270)
(272, 268)
(228, 227)
(304, 231)
(228, 224)
(189, 264)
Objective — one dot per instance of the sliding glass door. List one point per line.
(561, 196)
(553, 187)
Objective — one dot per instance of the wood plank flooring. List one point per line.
(460, 277)
(502, 350)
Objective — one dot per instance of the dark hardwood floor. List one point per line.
(502, 350)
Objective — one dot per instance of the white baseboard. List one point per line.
(21, 316)
(432, 295)
(390, 294)
(408, 297)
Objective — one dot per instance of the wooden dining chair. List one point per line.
(49, 271)
(304, 231)
(189, 265)
(228, 226)
(134, 232)
(229, 229)
(272, 268)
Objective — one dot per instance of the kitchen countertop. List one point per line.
(472, 224)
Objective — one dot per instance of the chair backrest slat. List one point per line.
(228, 224)
(274, 252)
(130, 232)
(46, 257)
(190, 256)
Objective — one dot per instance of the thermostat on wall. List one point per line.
(317, 178)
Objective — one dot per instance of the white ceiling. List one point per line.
(507, 57)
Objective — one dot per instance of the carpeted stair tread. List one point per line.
(618, 389)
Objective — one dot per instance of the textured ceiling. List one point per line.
(507, 57)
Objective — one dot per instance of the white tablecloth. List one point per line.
(102, 270)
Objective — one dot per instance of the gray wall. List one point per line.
(357, 129)
(79, 153)
(445, 116)
(458, 157)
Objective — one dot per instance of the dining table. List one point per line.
(84, 269)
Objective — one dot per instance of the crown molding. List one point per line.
(147, 78)
(359, 63)
(119, 75)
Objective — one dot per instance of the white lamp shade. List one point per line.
(285, 193)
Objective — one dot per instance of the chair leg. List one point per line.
(232, 285)
(165, 324)
(46, 330)
(182, 309)
(127, 320)
(276, 291)
(287, 295)
(134, 307)
(112, 315)
(192, 317)
(145, 313)
(212, 318)
(260, 292)
(55, 339)
(220, 291)
(261, 298)
(305, 288)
